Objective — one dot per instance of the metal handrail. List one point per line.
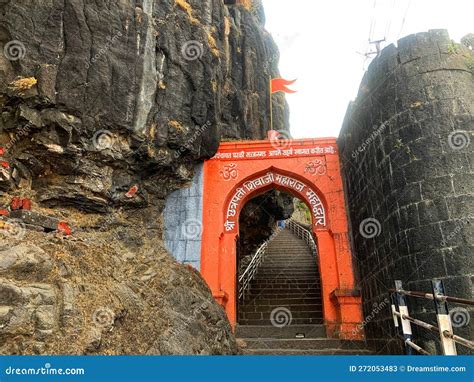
(251, 270)
(435, 329)
(303, 234)
(444, 329)
(429, 296)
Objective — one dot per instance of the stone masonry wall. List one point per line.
(407, 163)
(183, 221)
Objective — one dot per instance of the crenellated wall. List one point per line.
(407, 160)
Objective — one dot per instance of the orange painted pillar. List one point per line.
(228, 276)
(329, 279)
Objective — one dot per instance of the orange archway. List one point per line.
(308, 169)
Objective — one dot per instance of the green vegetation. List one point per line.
(453, 48)
(303, 211)
(470, 64)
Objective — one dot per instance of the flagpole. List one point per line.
(271, 102)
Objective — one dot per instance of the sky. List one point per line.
(323, 45)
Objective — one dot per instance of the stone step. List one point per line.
(295, 321)
(297, 267)
(257, 307)
(289, 252)
(279, 247)
(300, 343)
(288, 262)
(263, 300)
(287, 255)
(287, 269)
(296, 292)
(286, 276)
(289, 282)
(282, 293)
(267, 315)
(305, 352)
(282, 249)
(292, 299)
(285, 280)
(290, 331)
(290, 259)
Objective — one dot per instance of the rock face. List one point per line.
(85, 296)
(105, 111)
(406, 151)
(111, 98)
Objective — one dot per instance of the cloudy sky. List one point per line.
(323, 44)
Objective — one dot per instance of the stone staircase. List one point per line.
(282, 310)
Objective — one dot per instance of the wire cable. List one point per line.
(404, 19)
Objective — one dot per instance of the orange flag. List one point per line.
(280, 85)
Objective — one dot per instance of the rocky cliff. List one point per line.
(105, 109)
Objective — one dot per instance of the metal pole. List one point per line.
(417, 348)
(403, 308)
(429, 296)
(271, 103)
(394, 312)
(444, 320)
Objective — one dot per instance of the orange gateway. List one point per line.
(306, 168)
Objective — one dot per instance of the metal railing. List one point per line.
(251, 270)
(444, 329)
(303, 234)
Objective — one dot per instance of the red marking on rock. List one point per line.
(4, 212)
(131, 193)
(16, 203)
(2, 151)
(4, 164)
(64, 228)
(26, 204)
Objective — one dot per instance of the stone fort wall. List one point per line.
(407, 159)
